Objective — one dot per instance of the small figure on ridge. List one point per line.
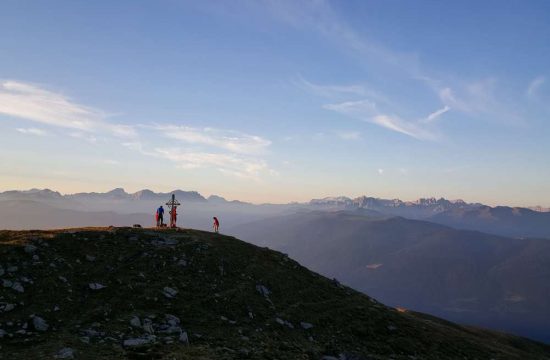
(216, 225)
(160, 216)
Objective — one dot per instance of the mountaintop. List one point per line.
(116, 293)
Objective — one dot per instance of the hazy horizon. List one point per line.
(304, 200)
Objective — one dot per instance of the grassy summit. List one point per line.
(118, 293)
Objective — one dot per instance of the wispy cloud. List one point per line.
(436, 114)
(479, 98)
(360, 107)
(336, 91)
(227, 163)
(366, 110)
(231, 140)
(535, 85)
(32, 131)
(84, 136)
(31, 102)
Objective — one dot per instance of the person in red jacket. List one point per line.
(216, 225)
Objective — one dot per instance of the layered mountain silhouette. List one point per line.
(122, 293)
(465, 276)
(500, 220)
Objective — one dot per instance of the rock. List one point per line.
(284, 323)
(7, 283)
(18, 287)
(40, 324)
(35, 257)
(2, 272)
(2, 333)
(172, 320)
(148, 326)
(169, 292)
(12, 269)
(96, 286)
(392, 327)
(65, 353)
(138, 341)
(263, 290)
(182, 262)
(90, 258)
(5, 307)
(135, 322)
(306, 326)
(29, 249)
(62, 278)
(184, 338)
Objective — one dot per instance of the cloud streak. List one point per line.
(367, 110)
(235, 165)
(230, 140)
(32, 131)
(31, 102)
(535, 85)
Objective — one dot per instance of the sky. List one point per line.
(278, 101)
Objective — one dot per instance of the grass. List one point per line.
(220, 308)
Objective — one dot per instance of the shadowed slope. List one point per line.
(129, 293)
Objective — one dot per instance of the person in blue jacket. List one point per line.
(160, 216)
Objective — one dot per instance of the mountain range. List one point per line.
(465, 276)
(197, 210)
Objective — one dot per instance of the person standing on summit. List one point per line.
(216, 225)
(160, 216)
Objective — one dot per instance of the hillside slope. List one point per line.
(122, 293)
(464, 276)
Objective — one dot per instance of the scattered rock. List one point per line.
(135, 322)
(148, 326)
(18, 287)
(40, 324)
(184, 338)
(29, 249)
(182, 262)
(65, 353)
(139, 341)
(96, 286)
(306, 325)
(169, 292)
(5, 307)
(263, 290)
(284, 323)
(172, 319)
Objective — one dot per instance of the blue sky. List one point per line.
(278, 100)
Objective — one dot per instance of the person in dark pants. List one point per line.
(216, 225)
(160, 214)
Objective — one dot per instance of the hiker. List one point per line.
(173, 217)
(160, 216)
(157, 217)
(216, 225)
